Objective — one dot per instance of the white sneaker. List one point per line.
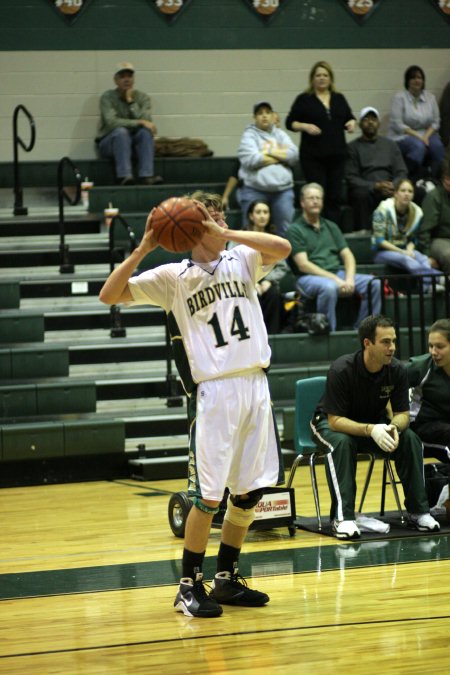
(345, 529)
(424, 522)
(368, 524)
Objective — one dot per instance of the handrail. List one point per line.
(408, 285)
(117, 330)
(65, 265)
(19, 209)
(131, 238)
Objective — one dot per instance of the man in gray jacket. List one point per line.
(374, 163)
(127, 129)
(266, 155)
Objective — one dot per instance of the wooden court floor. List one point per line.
(88, 575)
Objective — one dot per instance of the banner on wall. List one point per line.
(361, 10)
(170, 9)
(443, 7)
(70, 9)
(266, 9)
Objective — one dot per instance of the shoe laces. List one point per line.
(199, 590)
(238, 580)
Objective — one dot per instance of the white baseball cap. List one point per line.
(124, 65)
(367, 110)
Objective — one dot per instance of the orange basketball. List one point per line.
(177, 224)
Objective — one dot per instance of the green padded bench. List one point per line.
(21, 326)
(46, 440)
(9, 294)
(55, 398)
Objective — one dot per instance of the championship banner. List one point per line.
(361, 9)
(70, 9)
(443, 7)
(266, 8)
(170, 9)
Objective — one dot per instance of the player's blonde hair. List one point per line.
(209, 199)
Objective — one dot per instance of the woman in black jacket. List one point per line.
(322, 115)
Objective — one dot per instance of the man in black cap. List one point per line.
(374, 163)
(266, 155)
(127, 129)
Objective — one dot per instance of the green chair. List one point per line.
(307, 395)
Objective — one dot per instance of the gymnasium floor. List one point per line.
(88, 575)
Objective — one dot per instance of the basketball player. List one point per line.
(221, 349)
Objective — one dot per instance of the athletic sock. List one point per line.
(227, 558)
(192, 563)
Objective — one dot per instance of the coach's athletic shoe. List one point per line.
(193, 600)
(345, 529)
(232, 589)
(424, 522)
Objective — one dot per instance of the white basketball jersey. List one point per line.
(213, 309)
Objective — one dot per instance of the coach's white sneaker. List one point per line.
(424, 522)
(345, 529)
(369, 524)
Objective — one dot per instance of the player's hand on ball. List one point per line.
(148, 241)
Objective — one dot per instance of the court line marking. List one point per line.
(345, 624)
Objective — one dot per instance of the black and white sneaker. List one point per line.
(424, 522)
(193, 600)
(232, 589)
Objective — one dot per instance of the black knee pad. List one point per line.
(253, 498)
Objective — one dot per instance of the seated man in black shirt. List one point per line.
(353, 411)
(374, 163)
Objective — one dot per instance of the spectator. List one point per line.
(322, 115)
(434, 234)
(429, 374)
(414, 124)
(266, 155)
(323, 262)
(270, 297)
(352, 415)
(127, 129)
(374, 163)
(444, 108)
(234, 182)
(396, 223)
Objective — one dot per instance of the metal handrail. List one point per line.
(64, 256)
(407, 285)
(19, 209)
(117, 330)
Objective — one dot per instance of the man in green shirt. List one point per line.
(127, 129)
(434, 232)
(324, 264)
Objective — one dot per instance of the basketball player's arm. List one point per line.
(115, 290)
(271, 247)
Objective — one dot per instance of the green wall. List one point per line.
(221, 24)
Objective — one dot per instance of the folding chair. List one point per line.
(307, 394)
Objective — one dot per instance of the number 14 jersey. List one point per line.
(214, 316)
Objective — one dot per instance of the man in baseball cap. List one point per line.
(261, 104)
(127, 129)
(374, 163)
(124, 66)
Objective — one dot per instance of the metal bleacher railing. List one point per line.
(412, 309)
(66, 267)
(116, 253)
(19, 208)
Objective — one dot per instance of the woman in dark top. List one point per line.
(322, 116)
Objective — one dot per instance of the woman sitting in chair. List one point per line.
(429, 374)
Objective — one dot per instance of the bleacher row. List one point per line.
(77, 403)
